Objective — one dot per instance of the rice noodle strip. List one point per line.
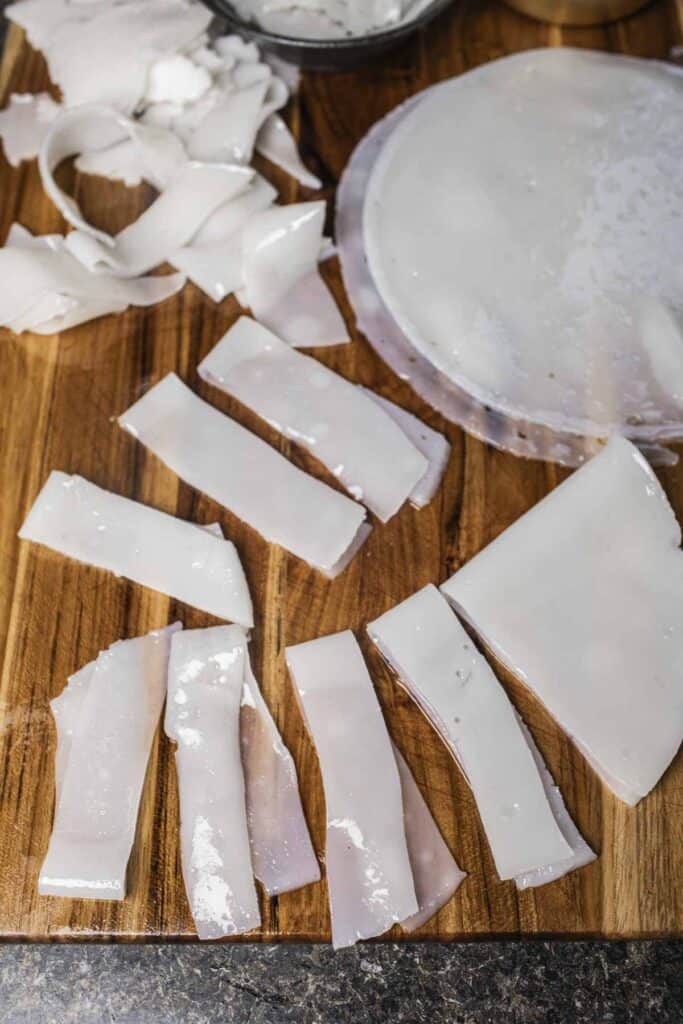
(438, 665)
(205, 680)
(435, 872)
(433, 446)
(369, 875)
(355, 439)
(281, 849)
(191, 192)
(102, 770)
(195, 192)
(93, 128)
(244, 474)
(582, 853)
(149, 547)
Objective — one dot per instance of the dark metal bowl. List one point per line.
(325, 54)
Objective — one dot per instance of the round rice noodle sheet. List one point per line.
(512, 243)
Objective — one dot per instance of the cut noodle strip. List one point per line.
(438, 665)
(281, 849)
(149, 547)
(46, 290)
(105, 747)
(205, 680)
(433, 446)
(336, 421)
(369, 875)
(435, 872)
(240, 471)
(195, 192)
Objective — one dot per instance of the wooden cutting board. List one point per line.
(59, 399)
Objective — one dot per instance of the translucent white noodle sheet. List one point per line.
(214, 454)
(177, 558)
(106, 721)
(435, 872)
(282, 854)
(369, 873)
(205, 680)
(315, 407)
(581, 598)
(453, 684)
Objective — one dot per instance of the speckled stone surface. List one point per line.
(478, 983)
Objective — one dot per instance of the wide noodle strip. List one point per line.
(431, 443)
(66, 710)
(230, 218)
(281, 851)
(335, 420)
(106, 723)
(191, 196)
(205, 680)
(369, 875)
(435, 872)
(191, 564)
(240, 471)
(581, 598)
(440, 668)
(582, 853)
(213, 258)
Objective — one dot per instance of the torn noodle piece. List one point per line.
(277, 144)
(231, 217)
(232, 466)
(157, 550)
(582, 852)
(46, 290)
(101, 51)
(452, 683)
(213, 258)
(282, 285)
(315, 407)
(369, 875)
(24, 124)
(102, 770)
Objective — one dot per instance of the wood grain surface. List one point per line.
(59, 398)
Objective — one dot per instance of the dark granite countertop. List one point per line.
(474, 983)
